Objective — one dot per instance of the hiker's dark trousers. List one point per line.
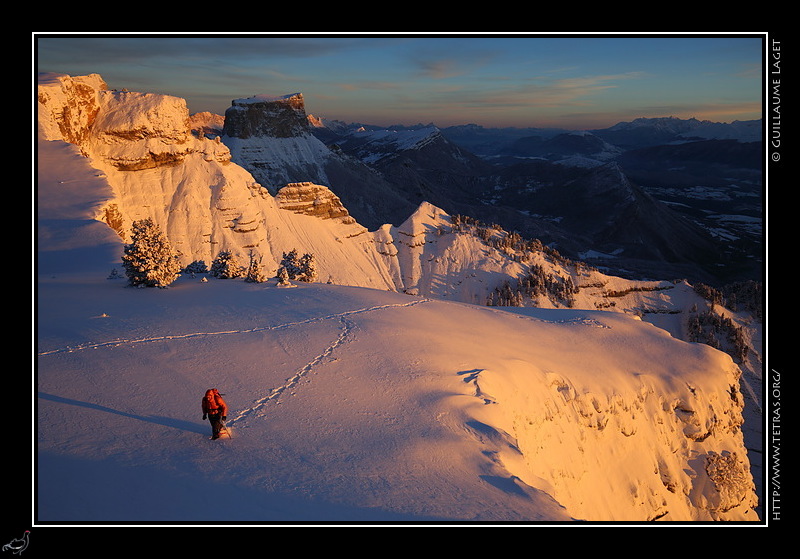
(216, 423)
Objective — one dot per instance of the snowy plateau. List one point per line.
(385, 392)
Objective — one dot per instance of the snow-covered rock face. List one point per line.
(136, 131)
(312, 199)
(271, 137)
(599, 427)
(157, 168)
(127, 130)
(68, 105)
(205, 204)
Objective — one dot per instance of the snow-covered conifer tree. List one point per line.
(300, 269)
(307, 268)
(283, 276)
(196, 267)
(226, 266)
(149, 260)
(290, 264)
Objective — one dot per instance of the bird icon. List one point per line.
(18, 545)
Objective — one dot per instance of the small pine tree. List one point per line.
(149, 260)
(307, 269)
(226, 266)
(283, 276)
(196, 267)
(300, 269)
(290, 264)
(255, 273)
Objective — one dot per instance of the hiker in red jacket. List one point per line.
(216, 409)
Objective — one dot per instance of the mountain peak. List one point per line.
(125, 129)
(267, 116)
(427, 217)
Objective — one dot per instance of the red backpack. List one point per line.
(213, 402)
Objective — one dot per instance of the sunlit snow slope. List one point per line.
(356, 404)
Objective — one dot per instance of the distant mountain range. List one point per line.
(647, 199)
(681, 198)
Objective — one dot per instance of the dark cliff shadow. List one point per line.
(158, 420)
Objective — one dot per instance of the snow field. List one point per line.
(357, 404)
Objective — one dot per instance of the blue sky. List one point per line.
(572, 82)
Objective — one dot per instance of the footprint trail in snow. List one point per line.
(346, 328)
(122, 342)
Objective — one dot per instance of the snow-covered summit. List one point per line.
(119, 128)
(374, 145)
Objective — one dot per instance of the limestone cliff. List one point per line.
(313, 199)
(127, 130)
(261, 115)
(157, 168)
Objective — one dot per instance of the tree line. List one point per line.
(150, 261)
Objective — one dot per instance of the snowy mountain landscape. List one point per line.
(439, 369)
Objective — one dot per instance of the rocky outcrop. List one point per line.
(261, 115)
(312, 199)
(270, 137)
(273, 138)
(68, 105)
(129, 131)
(206, 124)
